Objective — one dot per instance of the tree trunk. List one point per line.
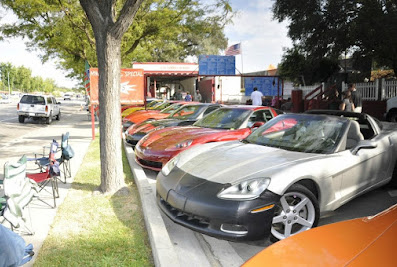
(109, 63)
(108, 34)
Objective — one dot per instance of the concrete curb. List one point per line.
(162, 248)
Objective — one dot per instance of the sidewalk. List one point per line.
(42, 215)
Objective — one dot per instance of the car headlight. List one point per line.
(184, 144)
(246, 190)
(167, 168)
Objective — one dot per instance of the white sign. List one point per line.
(167, 67)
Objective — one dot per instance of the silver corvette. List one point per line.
(280, 178)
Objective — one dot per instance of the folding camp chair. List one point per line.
(67, 153)
(66, 156)
(49, 175)
(18, 192)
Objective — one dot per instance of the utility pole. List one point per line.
(9, 89)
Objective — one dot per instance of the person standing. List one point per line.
(356, 98)
(256, 97)
(347, 102)
(198, 96)
(188, 97)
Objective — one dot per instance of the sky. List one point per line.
(262, 40)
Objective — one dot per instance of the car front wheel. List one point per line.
(296, 212)
(58, 117)
(393, 116)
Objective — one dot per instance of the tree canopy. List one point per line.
(163, 30)
(327, 29)
(21, 79)
(101, 32)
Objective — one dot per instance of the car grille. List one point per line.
(149, 163)
(191, 219)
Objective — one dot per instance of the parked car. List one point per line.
(150, 104)
(155, 114)
(224, 124)
(367, 241)
(37, 107)
(185, 115)
(391, 109)
(280, 178)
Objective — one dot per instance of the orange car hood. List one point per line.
(148, 114)
(368, 241)
(169, 137)
(141, 112)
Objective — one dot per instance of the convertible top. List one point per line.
(349, 114)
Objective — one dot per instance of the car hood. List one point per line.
(148, 114)
(139, 113)
(370, 240)
(235, 161)
(163, 139)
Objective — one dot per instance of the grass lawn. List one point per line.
(97, 230)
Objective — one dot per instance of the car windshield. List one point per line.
(152, 104)
(162, 105)
(187, 112)
(310, 134)
(171, 108)
(224, 118)
(33, 99)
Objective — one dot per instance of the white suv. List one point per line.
(38, 106)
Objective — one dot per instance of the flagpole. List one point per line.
(242, 63)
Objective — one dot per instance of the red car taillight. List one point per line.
(18, 106)
(46, 108)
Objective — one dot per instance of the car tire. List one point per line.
(58, 117)
(297, 211)
(21, 119)
(393, 116)
(49, 119)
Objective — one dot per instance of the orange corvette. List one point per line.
(367, 241)
(143, 115)
(150, 105)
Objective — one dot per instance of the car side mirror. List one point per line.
(257, 125)
(365, 144)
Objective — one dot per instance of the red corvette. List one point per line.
(142, 115)
(224, 124)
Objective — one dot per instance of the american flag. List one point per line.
(233, 50)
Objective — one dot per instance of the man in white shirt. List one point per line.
(256, 97)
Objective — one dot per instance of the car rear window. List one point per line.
(32, 99)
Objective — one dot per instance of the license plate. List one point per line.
(31, 114)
